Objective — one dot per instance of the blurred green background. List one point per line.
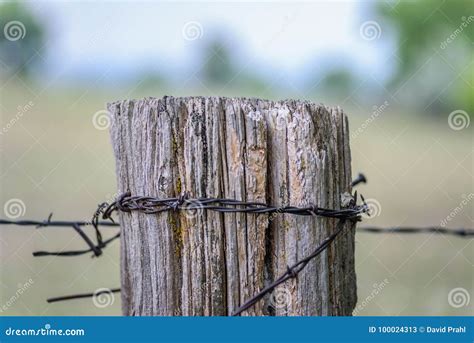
(403, 71)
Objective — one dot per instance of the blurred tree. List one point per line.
(338, 82)
(222, 71)
(218, 68)
(440, 30)
(333, 80)
(21, 38)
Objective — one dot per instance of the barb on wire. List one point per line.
(151, 205)
(292, 271)
(359, 179)
(96, 249)
(289, 273)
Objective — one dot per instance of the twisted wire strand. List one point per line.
(151, 205)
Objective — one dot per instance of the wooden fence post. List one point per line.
(208, 263)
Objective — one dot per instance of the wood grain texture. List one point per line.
(206, 263)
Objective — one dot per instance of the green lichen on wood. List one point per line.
(177, 233)
(179, 186)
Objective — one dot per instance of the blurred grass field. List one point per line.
(55, 160)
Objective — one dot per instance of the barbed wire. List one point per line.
(291, 271)
(96, 249)
(152, 205)
(462, 232)
(83, 295)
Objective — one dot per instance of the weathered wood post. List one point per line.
(208, 263)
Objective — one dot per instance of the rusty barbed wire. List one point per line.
(461, 232)
(96, 249)
(292, 271)
(152, 205)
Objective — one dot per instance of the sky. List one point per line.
(128, 37)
